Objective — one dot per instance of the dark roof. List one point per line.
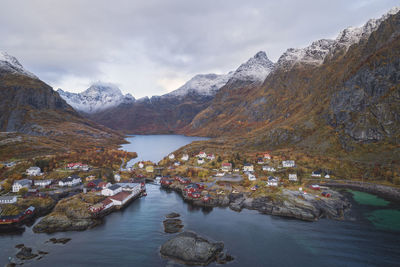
(114, 187)
(74, 176)
(317, 172)
(96, 182)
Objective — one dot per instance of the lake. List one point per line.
(132, 237)
(155, 147)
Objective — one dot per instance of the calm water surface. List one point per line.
(156, 147)
(133, 237)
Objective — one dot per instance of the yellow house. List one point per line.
(149, 169)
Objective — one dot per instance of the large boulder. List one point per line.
(189, 248)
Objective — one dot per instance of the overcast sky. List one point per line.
(151, 47)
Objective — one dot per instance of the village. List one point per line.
(203, 178)
(207, 176)
(37, 192)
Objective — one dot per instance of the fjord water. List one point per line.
(132, 237)
(155, 147)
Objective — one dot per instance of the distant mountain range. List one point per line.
(334, 97)
(105, 104)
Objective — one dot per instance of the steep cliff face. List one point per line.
(34, 117)
(342, 92)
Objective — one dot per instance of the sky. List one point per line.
(153, 47)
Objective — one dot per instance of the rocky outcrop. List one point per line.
(172, 225)
(387, 192)
(191, 249)
(288, 203)
(25, 253)
(60, 223)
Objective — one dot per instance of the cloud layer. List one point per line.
(151, 47)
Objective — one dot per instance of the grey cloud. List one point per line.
(58, 39)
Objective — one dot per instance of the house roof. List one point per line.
(96, 182)
(114, 187)
(23, 182)
(227, 164)
(121, 196)
(106, 201)
(5, 198)
(248, 165)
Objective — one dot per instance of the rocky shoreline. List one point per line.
(288, 203)
(384, 191)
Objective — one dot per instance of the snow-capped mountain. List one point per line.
(316, 53)
(202, 84)
(11, 64)
(256, 69)
(99, 96)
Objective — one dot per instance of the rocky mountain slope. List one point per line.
(99, 96)
(171, 112)
(34, 117)
(334, 96)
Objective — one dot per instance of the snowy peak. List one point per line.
(312, 55)
(99, 96)
(11, 64)
(256, 69)
(353, 35)
(316, 53)
(202, 84)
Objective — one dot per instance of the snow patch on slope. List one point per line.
(99, 96)
(256, 69)
(11, 64)
(202, 84)
(316, 53)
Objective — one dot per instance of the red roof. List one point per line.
(227, 164)
(121, 196)
(102, 184)
(106, 201)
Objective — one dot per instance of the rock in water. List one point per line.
(191, 249)
(173, 215)
(25, 254)
(172, 225)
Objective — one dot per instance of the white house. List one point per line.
(248, 167)
(272, 181)
(24, 183)
(200, 161)
(260, 161)
(251, 177)
(141, 165)
(8, 199)
(202, 155)
(210, 157)
(70, 181)
(9, 164)
(288, 163)
(34, 171)
(236, 170)
(135, 188)
(226, 167)
(121, 198)
(112, 190)
(185, 157)
(220, 174)
(269, 169)
(177, 163)
(117, 177)
(42, 183)
(293, 177)
(171, 156)
(316, 173)
(327, 176)
(267, 156)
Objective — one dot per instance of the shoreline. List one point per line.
(384, 191)
(289, 205)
